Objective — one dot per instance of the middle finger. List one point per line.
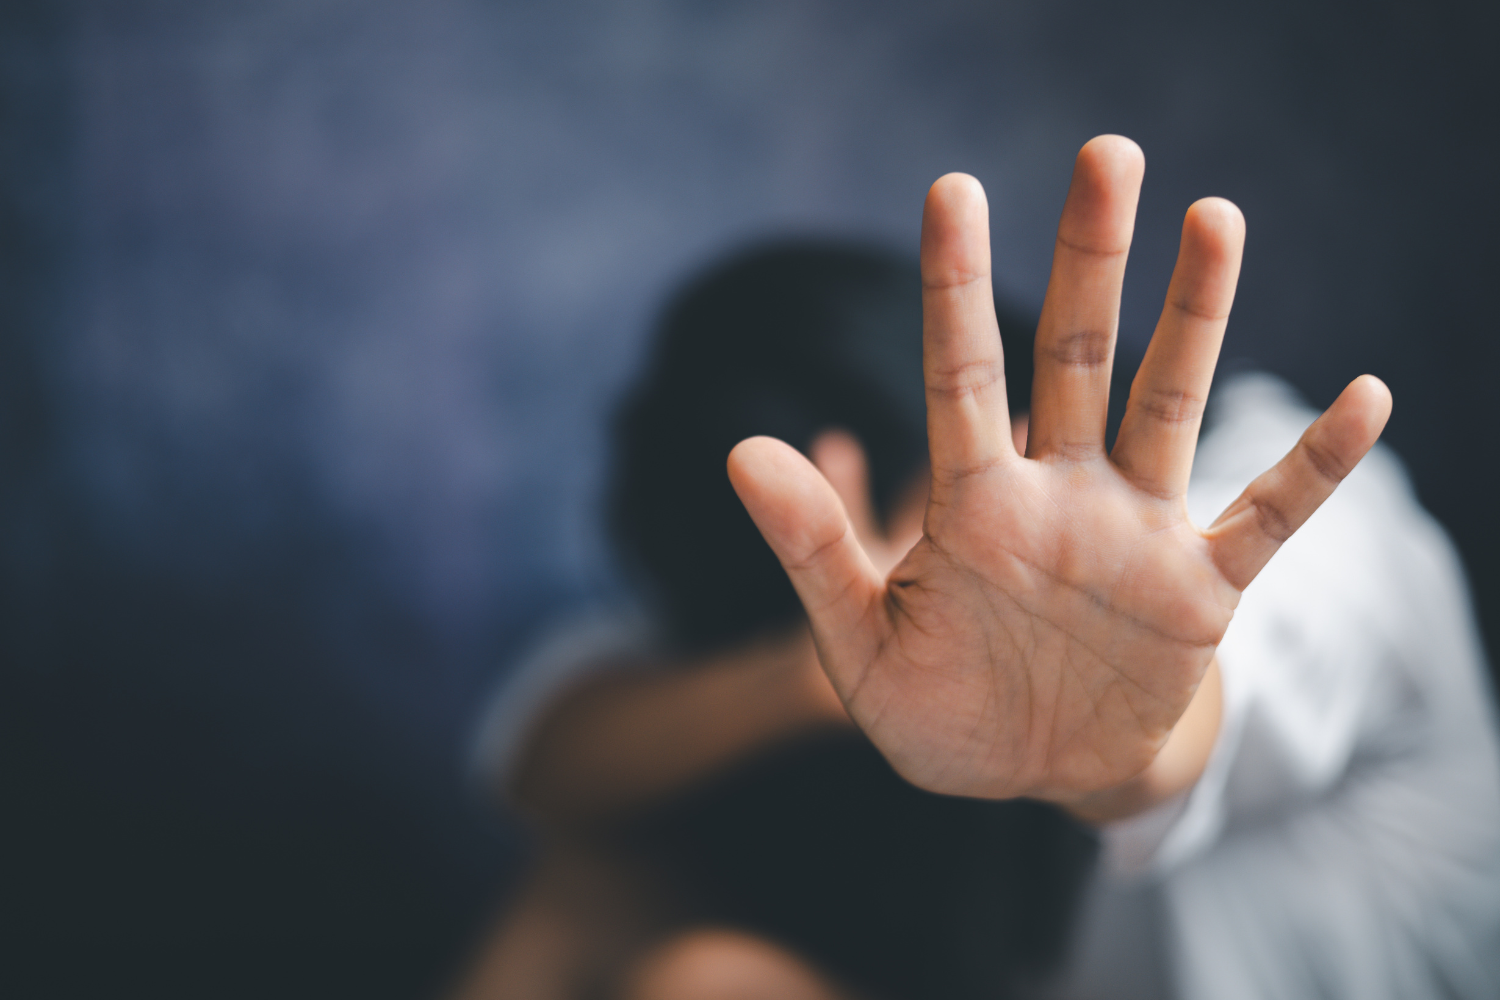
(1075, 339)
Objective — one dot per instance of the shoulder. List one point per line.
(569, 650)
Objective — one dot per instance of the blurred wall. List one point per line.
(314, 312)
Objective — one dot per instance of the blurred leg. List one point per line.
(581, 918)
(724, 965)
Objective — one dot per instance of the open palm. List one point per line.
(1054, 621)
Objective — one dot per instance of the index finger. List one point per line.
(968, 422)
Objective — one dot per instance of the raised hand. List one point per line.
(1051, 626)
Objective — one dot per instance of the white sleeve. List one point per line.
(1326, 645)
(569, 651)
(1344, 839)
(1380, 881)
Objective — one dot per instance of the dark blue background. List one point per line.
(314, 312)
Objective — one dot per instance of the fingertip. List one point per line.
(782, 490)
(1374, 401)
(753, 456)
(1099, 214)
(1354, 422)
(1112, 154)
(955, 187)
(1375, 388)
(747, 449)
(953, 201)
(955, 231)
(801, 517)
(1213, 246)
(1218, 216)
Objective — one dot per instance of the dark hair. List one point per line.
(786, 339)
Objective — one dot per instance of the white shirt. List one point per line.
(1344, 838)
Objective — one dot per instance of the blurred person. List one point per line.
(701, 790)
(1308, 796)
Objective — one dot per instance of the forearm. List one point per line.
(626, 741)
(1177, 767)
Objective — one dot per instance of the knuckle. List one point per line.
(1065, 450)
(1080, 349)
(1088, 248)
(951, 278)
(1326, 463)
(817, 552)
(948, 477)
(1274, 521)
(1187, 305)
(1172, 406)
(966, 379)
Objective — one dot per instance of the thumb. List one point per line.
(803, 520)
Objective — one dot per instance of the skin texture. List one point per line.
(630, 738)
(1050, 628)
(1036, 618)
(633, 737)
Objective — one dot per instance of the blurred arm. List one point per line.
(623, 741)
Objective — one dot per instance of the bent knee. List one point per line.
(717, 964)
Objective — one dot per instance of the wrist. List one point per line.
(1177, 766)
